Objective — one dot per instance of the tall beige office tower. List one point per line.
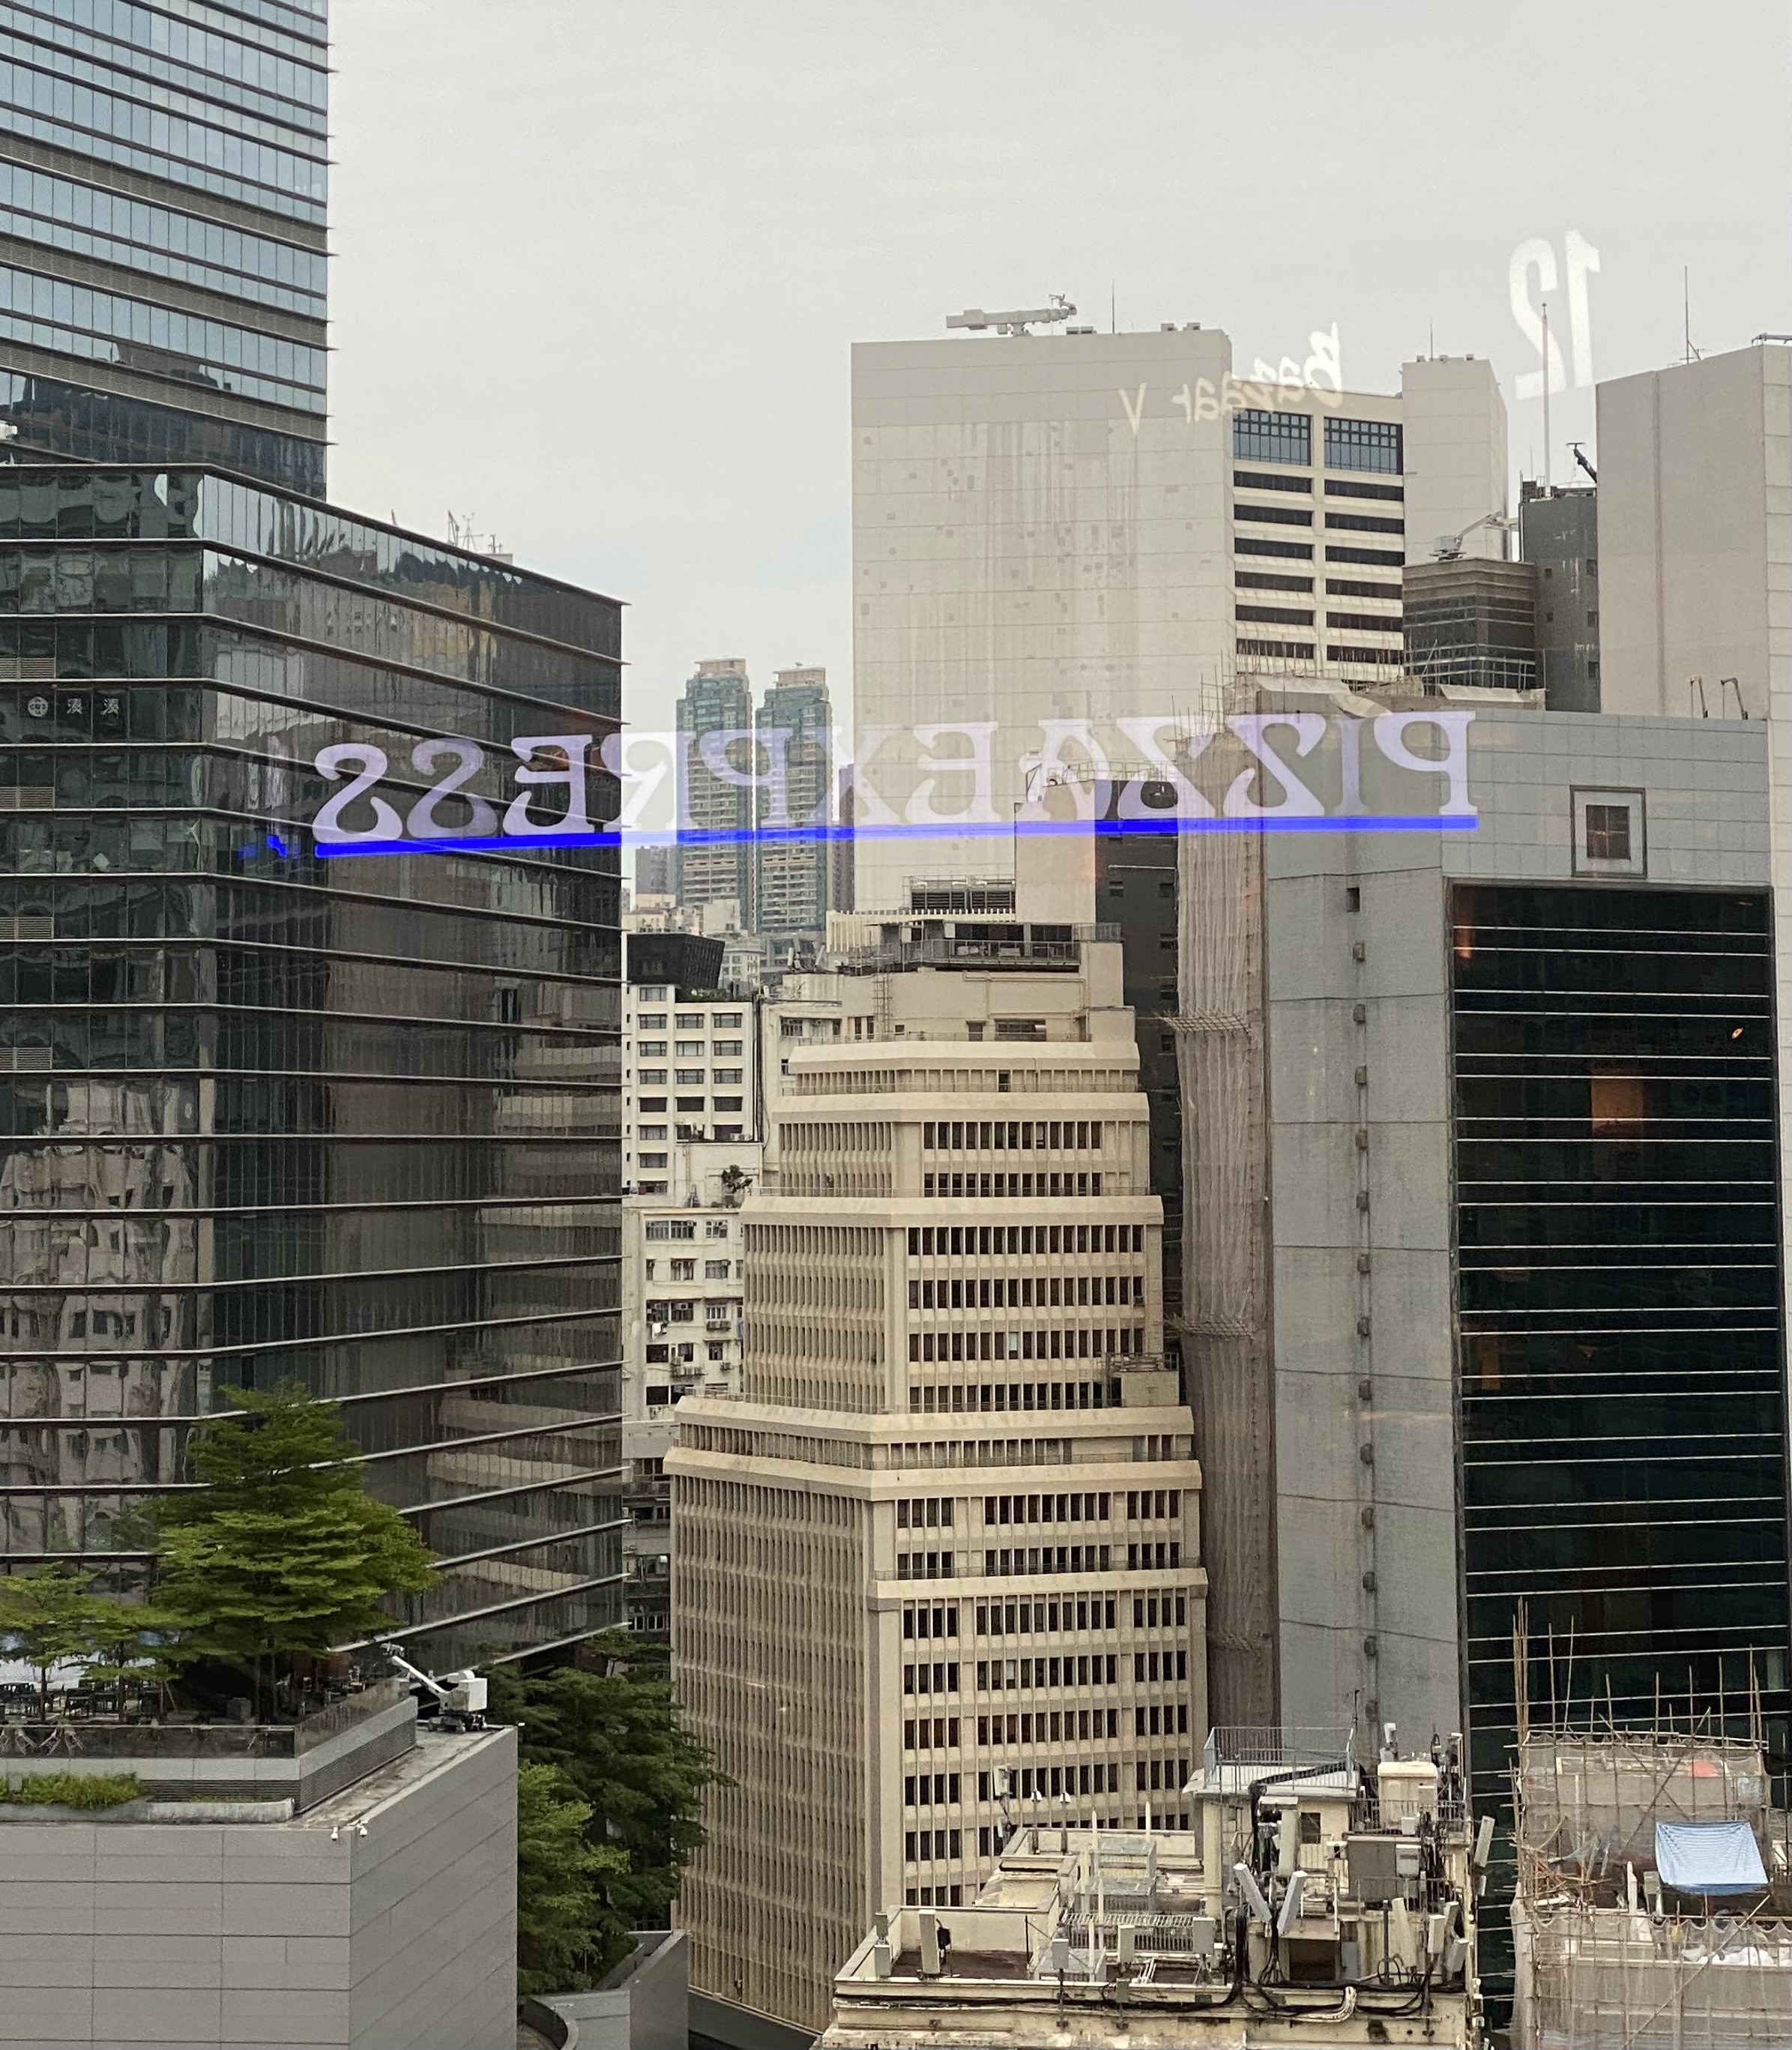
(1055, 533)
(936, 1573)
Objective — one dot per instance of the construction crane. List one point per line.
(1016, 322)
(461, 1698)
(1580, 455)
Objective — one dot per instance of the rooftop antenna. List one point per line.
(1546, 395)
(1691, 355)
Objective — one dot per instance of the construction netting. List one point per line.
(1610, 1979)
(1589, 1801)
(1608, 1958)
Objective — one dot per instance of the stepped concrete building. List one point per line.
(935, 1572)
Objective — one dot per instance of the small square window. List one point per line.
(1608, 832)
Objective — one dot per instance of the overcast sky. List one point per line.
(599, 266)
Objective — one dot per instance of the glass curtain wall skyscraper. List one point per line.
(269, 1113)
(162, 245)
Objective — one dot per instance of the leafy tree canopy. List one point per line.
(49, 1614)
(617, 1739)
(558, 1873)
(281, 1553)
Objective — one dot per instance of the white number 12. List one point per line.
(1539, 256)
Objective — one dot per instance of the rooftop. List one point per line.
(302, 1761)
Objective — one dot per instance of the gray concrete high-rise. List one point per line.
(1483, 1303)
(162, 235)
(1558, 535)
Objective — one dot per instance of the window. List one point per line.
(1276, 615)
(690, 1021)
(1364, 444)
(653, 993)
(716, 1228)
(1608, 831)
(671, 1228)
(1383, 656)
(727, 1021)
(1251, 479)
(654, 1021)
(1381, 558)
(658, 1075)
(1363, 622)
(655, 1160)
(1262, 580)
(652, 1049)
(1283, 515)
(1334, 490)
(652, 1103)
(715, 1270)
(689, 1049)
(1285, 651)
(728, 1102)
(1261, 437)
(654, 1132)
(1260, 544)
(1352, 587)
(729, 1075)
(728, 1049)
(690, 1078)
(1366, 523)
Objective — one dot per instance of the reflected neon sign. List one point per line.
(1416, 790)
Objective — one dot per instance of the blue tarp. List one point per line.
(1708, 1857)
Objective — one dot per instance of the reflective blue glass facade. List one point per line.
(269, 1117)
(163, 188)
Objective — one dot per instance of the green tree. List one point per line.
(48, 1615)
(616, 1738)
(559, 1872)
(281, 1553)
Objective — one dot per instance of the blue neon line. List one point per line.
(1164, 823)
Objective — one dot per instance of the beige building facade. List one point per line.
(1065, 544)
(937, 1572)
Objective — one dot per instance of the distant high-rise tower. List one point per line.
(653, 872)
(715, 853)
(162, 245)
(791, 885)
(842, 891)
